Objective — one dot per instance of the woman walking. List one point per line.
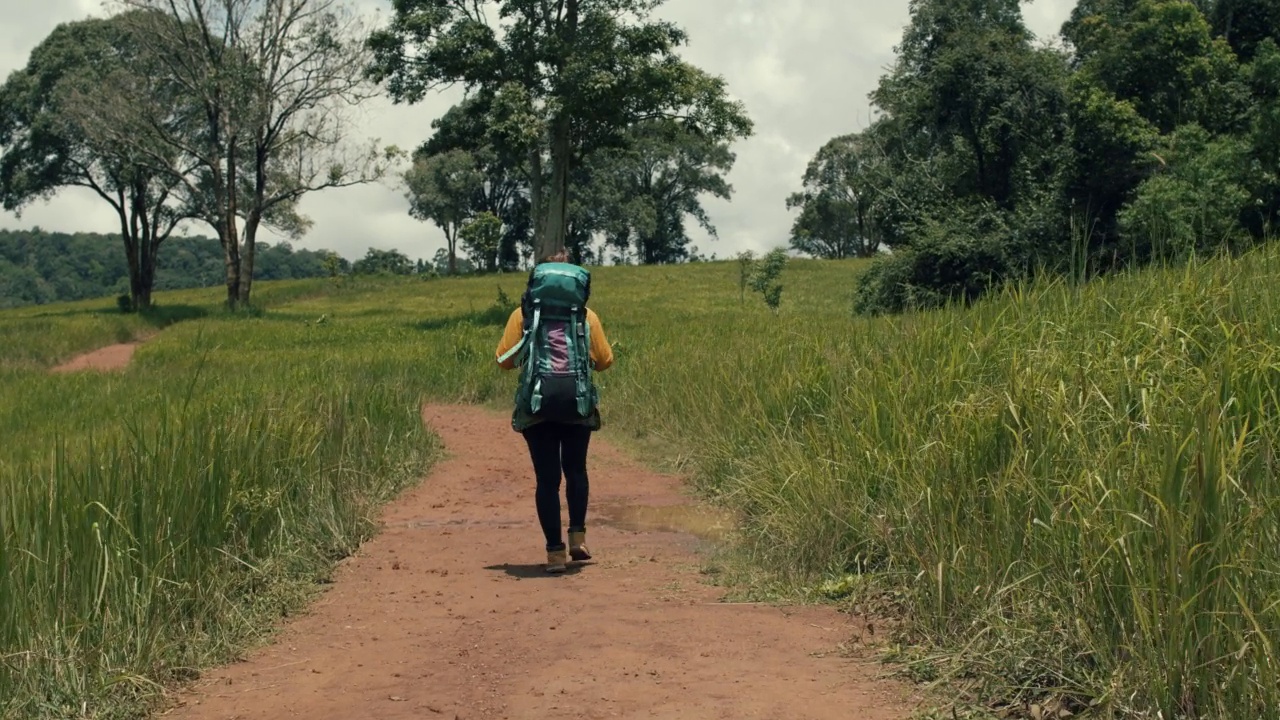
(557, 342)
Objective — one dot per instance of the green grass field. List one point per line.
(1065, 491)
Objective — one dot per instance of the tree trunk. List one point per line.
(451, 237)
(254, 219)
(553, 234)
(231, 236)
(251, 225)
(537, 189)
(130, 252)
(147, 271)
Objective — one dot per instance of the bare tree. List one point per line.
(268, 84)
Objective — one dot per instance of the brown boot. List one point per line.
(578, 546)
(556, 560)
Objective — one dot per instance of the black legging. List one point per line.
(554, 447)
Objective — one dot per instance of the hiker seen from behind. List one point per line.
(557, 342)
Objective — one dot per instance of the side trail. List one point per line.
(448, 614)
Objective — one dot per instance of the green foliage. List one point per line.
(444, 189)
(639, 194)
(558, 81)
(953, 260)
(837, 206)
(766, 277)
(482, 237)
(1110, 148)
(1161, 56)
(383, 262)
(1246, 24)
(1194, 204)
(48, 110)
(994, 160)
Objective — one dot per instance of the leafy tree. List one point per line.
(1263, 76)
(558, 80)
(1245, 24)
(442, 264)
(504, 190)
(964, 170)
(641, 192)
(263, 86)
(383, 262)
(444, 189)
(1161, 56)
(968, 83)
(836, 205)
(746, 265)
(1193, 204)
(482, 237)
(44, 110)
(1110, 152)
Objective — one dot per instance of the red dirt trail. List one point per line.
(448, 614)
(107, 359)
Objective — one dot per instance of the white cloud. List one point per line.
(803, 69)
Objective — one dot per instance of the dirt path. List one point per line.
(448, 614)
(109, 358)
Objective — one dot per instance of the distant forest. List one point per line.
(39, 267)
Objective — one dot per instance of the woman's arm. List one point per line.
(510, 336)
(601, 352)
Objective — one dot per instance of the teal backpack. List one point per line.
(554, 353)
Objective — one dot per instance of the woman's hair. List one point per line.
(560, 257)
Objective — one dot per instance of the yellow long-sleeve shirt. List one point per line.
(601, 352)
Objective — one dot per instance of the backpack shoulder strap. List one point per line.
(530, 327)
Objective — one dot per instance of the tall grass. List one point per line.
(1070, 490)
(1065, 490)
(156, 521)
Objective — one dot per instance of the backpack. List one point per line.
(555, 351)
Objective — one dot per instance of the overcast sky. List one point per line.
(803, 68)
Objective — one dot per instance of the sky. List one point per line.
(802, 68)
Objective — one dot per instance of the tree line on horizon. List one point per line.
(1147, 133)
(38, 267)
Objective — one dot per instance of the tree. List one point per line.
(836, 204)
(1264, 81)
(969, 84)
(1245, 24)
(265, 84)
(506, 175)
(1161, 56)
(383, 262)
(1193, 204)
(482, 237)
(44, 112)
(441, 263)
(641, 193)
(560, 79)
(444, 189)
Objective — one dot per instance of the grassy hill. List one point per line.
(1067, 491)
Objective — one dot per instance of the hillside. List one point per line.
(1065, 491)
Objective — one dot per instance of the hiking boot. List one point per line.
(556, 560)
(578, 546)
